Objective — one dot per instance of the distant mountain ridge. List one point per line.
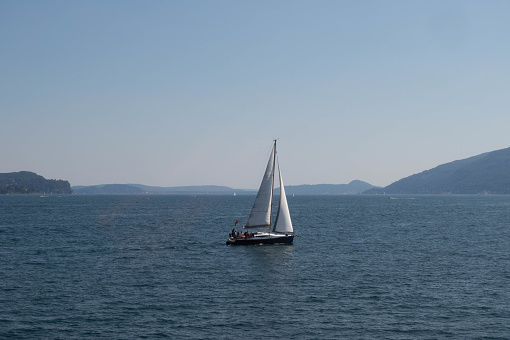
(119, 189)
(108, 189)
(26, 182)
(485, 173)
(354, 187)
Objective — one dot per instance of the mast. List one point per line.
(272, 187)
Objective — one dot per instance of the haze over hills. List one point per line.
(485, 173)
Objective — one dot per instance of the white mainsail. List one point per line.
(260, 215)
(283, 224)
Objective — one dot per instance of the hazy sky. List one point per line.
(193, 92)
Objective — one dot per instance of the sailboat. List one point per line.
(261, 213)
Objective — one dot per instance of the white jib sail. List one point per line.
(283, 224)
(260, 215)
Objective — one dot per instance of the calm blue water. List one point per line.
(362, 267)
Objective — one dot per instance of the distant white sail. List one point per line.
(283, 224)
(260, 215)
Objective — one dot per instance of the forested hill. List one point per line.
(485, 173)
(25, 182)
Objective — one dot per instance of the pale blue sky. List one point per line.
(193, 92)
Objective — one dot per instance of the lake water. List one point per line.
(361, 267)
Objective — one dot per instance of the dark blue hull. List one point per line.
(260, 240)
